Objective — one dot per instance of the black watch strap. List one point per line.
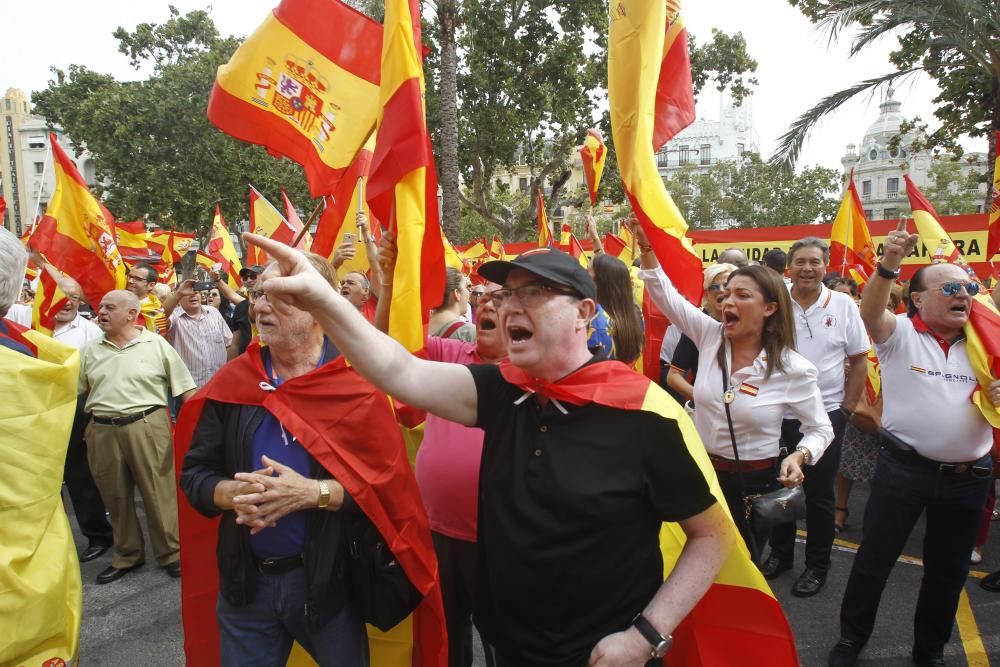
(659, 645)
(886, 273)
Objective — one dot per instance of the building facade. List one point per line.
(879, 165)
(27, 176)
(705, 143)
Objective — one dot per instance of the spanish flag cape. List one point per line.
(151, 315)
(41, 598)
(347, 425)
(738, 620)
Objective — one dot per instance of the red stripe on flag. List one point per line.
(342, 34)
(674, 92)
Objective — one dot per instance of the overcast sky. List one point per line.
(796, 68)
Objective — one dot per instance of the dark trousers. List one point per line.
(83, 493)
(457, 565)
(904, 487)
(759, 481)
(821, 500)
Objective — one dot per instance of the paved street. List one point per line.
(136, 620)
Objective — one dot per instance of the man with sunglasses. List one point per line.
(935, 453)
(829, 333)
(572, 491)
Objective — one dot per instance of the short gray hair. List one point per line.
(734, 256)
(13, 262)
(810, 242)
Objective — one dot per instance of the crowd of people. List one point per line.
(524, 459)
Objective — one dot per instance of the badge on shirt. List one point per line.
(749, 389)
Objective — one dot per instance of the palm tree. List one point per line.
(955, 42)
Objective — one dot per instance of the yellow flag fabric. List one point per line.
(451, 257)
(40, 592)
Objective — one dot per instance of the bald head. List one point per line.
(733, 256)
(117, 312)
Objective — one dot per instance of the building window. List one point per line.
(705, 153)
(866, 189)
(522, 184)
(661, 158)
(36, 143)
(868, 213)
(892, 188)
(891, 214)
(683, 155)
(739, 149)
(38, 167)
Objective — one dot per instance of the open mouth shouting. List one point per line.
(518, 335)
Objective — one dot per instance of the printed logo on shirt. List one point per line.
(947, 377)
(829, 321)
(749, 389)
(54, 662)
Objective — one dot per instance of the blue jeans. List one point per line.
(261, 632)
(904, 487)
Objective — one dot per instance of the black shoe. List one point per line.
(844, 653)
(774, 566)
(809, 583)
(93, 551)
(923, 660)
(991, 582)
(173, 569)
(115, 573)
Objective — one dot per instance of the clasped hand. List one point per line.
(269, 494)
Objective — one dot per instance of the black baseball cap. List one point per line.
(549, 263)
(256, 270)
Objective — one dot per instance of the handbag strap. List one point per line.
(736, 452)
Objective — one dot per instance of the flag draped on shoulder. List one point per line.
(593, 152)
(222, 250)
(340, 214)
(651, 99)
(49, 300)
(545, 238)
(993, 232)
(402, 188)
(347, 425)
(982, 331)
(77, 233)
(738, 614)
(305, 85)
(851, 243)
(42, 600)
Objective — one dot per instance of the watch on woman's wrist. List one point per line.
(806, 455)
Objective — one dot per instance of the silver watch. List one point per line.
(806, 455)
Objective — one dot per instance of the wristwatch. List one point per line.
(806, 455)
(324, 495)
(886, 273)
(659, 645)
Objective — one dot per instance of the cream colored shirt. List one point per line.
(125, 380)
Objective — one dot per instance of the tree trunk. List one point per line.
(448, 96)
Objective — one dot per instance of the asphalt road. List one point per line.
(136, 620)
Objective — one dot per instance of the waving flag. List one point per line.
(593, 153)
(993, 239)
(497, 250)
(266, 220)
(544, 230)
(850, 241)
(77, 234)
(132, 242)
(222, 250)
(937, 241)
(451, 257)
(305, 84)
(651, 98)
(402, 189)
(340, 215)
(564, 233)
(293, 219)
(982, 331)
(49, 300)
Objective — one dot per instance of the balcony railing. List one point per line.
(892, 195)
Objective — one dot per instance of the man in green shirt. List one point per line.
(127, 374)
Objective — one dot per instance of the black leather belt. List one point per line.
(127, 419)
(280, 565)
(903, 452)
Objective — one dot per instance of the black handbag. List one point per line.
(380, 592)
(763, 511)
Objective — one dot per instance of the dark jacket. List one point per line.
(221, 447)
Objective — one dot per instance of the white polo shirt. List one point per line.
(77, 333)
(827, 333)
(926, 395)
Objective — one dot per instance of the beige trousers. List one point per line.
(139, 454)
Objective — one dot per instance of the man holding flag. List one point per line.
(609, 605)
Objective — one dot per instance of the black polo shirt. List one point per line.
(570, 507)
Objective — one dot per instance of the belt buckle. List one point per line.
(948, 468)
(116, 421)
(268, 562)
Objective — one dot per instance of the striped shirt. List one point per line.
(200, 341)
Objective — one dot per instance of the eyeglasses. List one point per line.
(953, 288)
(805, 321)
(478, 296)
(133, 276)
(529, 295)
(256, 295)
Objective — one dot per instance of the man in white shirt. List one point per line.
(829, 333)
(935, 453)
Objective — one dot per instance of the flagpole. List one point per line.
(308, 223)
(41, 184)
(361, 195)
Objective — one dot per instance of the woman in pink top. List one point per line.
(447, 465)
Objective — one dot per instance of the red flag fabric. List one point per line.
(49, 300)
(850, 241)
(341, 207)
(544, 230)
(222, 250)
(348, 427)
(656, 324)
(305, 85)
(292, 217)
(593, 152)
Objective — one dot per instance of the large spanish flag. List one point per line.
(982, 332)
(402, 189)
(850, 241)
(77, 234)
(593, 152)
(939, 245)
(267, 221)
(42, 599)
(222, 250)
(545, 238)
(651, 98)
(738, 621)
(340, 215)
(993, 238)
(305, 84)
(132, 239)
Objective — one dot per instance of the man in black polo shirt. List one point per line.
(573, 491)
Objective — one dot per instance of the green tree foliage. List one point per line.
(156, 155)
(955, 42)
(952, 192)
(753, 193)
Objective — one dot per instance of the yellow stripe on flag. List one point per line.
(406, 322)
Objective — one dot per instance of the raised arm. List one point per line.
(446, 390)
(377, 277)
(880, 322)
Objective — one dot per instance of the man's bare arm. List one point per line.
(880, 322)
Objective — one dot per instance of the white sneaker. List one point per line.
(976, 557)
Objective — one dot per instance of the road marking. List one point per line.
(968, 630)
